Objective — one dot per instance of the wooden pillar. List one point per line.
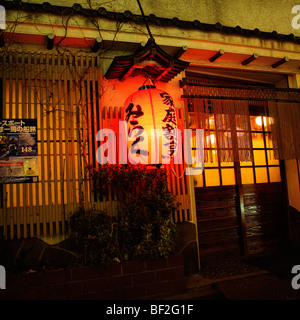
(1, 117)
(239, 191)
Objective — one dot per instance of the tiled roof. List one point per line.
(158, 64)
(152, 19)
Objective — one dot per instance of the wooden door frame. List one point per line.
(239, 186)
(240, 206)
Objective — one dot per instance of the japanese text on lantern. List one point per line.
(135, 114)
(171, 122)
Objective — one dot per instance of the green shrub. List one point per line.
(143, 227)
(93, 236)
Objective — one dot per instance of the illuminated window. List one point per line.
(247, 175)
(212, 177)
(263, 169)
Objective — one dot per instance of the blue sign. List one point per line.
(18, 151)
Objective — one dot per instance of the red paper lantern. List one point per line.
(151, 120)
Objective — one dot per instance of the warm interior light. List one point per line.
(259, 121)
(212, 138)
(211, 142)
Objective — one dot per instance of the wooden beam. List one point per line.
(50, 41)
(97, 44)
(180, 52)
(250, 59)
(280, 62)
(216, 55)
(140, 47)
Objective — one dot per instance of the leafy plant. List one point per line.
(143, 227)
(93, 235)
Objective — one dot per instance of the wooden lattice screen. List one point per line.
(281, 107)
(62, 92)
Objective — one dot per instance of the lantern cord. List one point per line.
(175, 174)
(145, 19)
(150, 80)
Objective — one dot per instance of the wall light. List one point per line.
(258, 121)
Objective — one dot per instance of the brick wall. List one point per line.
(129, 280)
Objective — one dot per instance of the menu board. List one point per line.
(18, 151)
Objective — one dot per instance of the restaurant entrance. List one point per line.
(241, 206)
(241, 198)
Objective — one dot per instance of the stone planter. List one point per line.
(139, 279)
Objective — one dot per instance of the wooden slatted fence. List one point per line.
(62, 92)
